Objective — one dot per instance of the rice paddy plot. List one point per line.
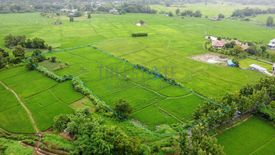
(254, 136)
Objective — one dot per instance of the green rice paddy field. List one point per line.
(95, 51)
(254, 136)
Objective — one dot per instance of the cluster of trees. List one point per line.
(35, 43)
(19, 6)
(136, 8)
(92, 136)
(35, 58)
(249, 2)
(251, 99)
(252, 12)
(190, 13)
(197, 140)
(4, 58)
(18, 56)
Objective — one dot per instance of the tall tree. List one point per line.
(178, 11)
(19, 52)
(269, 21)
(123, 109)
(71, 19)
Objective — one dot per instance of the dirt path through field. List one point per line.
(23, 105)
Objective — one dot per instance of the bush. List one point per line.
(123, 109)
(60, 123)
(32, 64)
(139, 34)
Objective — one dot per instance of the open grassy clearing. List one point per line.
(254, 136)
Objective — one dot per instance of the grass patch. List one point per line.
(252, 136)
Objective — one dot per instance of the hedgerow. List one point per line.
(139, 34)
(79, 86)
(52, 75)
(157, 74)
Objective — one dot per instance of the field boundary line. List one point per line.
(23, 105)
(179, 97)
(146, 106)
(42, 91)
(168, 113)
(259, 148)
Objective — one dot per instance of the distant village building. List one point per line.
(69, 10)
(114, 11)
(271, 44)
(218, 43)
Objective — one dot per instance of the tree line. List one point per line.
(35, 43)
(257, 99)
(246, 12)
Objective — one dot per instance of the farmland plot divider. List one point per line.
(23, 105)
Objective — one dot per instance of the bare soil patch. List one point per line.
(211, 58)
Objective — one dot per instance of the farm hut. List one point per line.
(271, 44)
(218, 43)
(231, 63)
(259, 69)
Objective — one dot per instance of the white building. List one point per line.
(259, 69)
(271, 44)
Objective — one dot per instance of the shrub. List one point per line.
(139, 34)
(123, 109)
(60, 122)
